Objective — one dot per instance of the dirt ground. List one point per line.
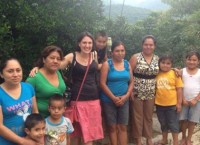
(156, 136)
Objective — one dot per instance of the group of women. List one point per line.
(119, 81)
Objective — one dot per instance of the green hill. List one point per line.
(132, 14)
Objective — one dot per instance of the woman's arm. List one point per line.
(178, 72)
(103, 85)
(184, 101)
(11, 136)
(33, 71)
(66, 61)
(130, 86)
(133, 62)
(35, 108)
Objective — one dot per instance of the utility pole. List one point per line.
(122, 8)
(109, 10)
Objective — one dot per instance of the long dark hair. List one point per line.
(81, 36)
(45, 53)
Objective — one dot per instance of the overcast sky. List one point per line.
(138, 3)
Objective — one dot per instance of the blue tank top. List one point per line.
(117, 81)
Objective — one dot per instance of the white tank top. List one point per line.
(191, 84)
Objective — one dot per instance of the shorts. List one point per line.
(168, 118)
(190, 113)
(116, 114)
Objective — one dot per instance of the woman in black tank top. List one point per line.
(89, 127)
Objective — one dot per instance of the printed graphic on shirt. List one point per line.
(57, 135)
(20, 105)
(163, 83)
(23, 112)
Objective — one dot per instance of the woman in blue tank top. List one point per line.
(116, 82)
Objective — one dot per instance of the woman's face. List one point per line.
(52, 61)
(148, 46)
(86, 44)
(12, 73)
(119, 53)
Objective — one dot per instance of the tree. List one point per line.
(28, 26)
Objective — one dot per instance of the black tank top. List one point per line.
(89, 90)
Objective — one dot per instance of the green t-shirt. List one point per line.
(44, 90)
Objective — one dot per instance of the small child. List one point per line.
(190, 113)
(35, 128)
(101, 44)
(57, 126)
(168, 99)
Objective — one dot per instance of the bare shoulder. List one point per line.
(133, 60)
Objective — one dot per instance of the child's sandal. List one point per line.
(189, 143)
(183, 142)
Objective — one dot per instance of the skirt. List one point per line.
(89, 125)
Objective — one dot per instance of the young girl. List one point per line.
(190, 113)
(168, 99)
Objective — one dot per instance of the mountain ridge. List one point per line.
(132, 14)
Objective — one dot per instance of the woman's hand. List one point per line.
(120, 100)
(185, 102)
(33, 71)
(178, 72)
(132, 96)
(117, 101)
